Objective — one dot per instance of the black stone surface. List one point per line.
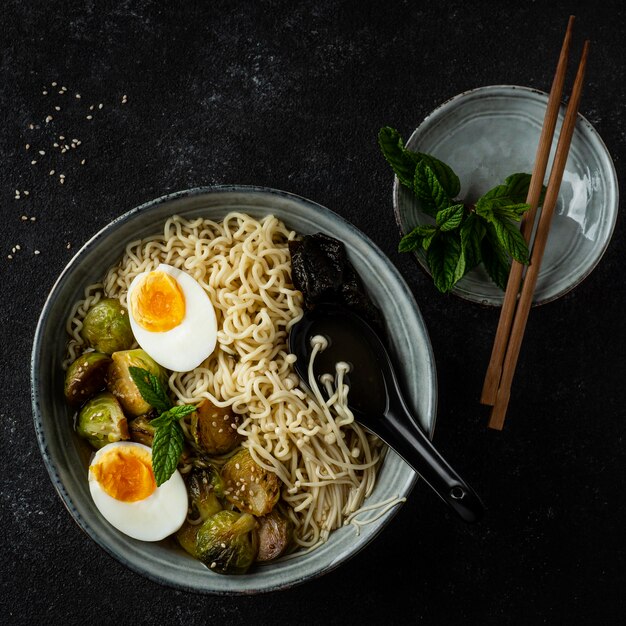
(291, 95)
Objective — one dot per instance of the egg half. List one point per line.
(172, 318)
(122, 485)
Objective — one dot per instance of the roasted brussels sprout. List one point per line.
(85, 376)
(215, 429)
(141, 430)
(226, 542)
(275, 532)
(120, 382)
(101, 420)
(107, 328)
(248, 486)
(203, 494)
(186, 536)
(204, 487)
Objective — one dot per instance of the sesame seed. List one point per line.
(61, 137)
(33, 162)
(48, 118)
(91, 107)
(61, 175)
(82, 162)
(37, 252)
(237, 466)
(90, 117)
(31, 126)
(63, 150)
(63, 88)
(69, 245)
(27, 146)
(17, 247)
(44, 92)
(100, 105)
(213, 565)
(32, 219)
(61, 92)
(51, 172)
(78, 96)
(54, 84)
(124, 99)
(42, 152)
(26, 192)
(24, 218)
(9, 256)
(55, 145)
(57, 108)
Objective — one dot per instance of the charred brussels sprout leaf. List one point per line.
(85, 376)
(101, 421)
(120, 382)
(203, 486)
(248, 486)
(186, 536)
(107, 328)
(213, 430)
(226, 542)
(275, 532)
(141, 430)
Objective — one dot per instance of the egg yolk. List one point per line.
(125, 474)
(157, 302)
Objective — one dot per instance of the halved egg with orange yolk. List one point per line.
(123, 488)
(172, 318)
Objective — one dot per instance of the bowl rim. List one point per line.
(53, 473)
(508, 89)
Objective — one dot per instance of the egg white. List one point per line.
(152, 519)
(186, 346)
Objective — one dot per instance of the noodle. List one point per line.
(326, 461)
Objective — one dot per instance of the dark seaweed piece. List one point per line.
(321, 270)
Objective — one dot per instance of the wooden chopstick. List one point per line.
(494, 369)
(499, 409)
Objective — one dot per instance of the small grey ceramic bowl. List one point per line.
(488, 133)
(66, 457)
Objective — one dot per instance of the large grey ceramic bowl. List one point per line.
(488, 133)
(66, 457)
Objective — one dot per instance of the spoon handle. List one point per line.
(401, 432)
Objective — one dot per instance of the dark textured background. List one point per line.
(291, 95)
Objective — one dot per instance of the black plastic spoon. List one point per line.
(376, 399)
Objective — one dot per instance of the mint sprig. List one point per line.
(462, 235)
(169, 440)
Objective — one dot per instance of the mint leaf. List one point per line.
(443, 257)
(508, 199)
(511, 239)
(150, 388)
(495, 258)
(517, 185)
(402, 161)
(471, 232)
(175, 413)
(450, 217)
(166, 449)
(444, 173)
(413, 240)
(428, 239)
(428, 189)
